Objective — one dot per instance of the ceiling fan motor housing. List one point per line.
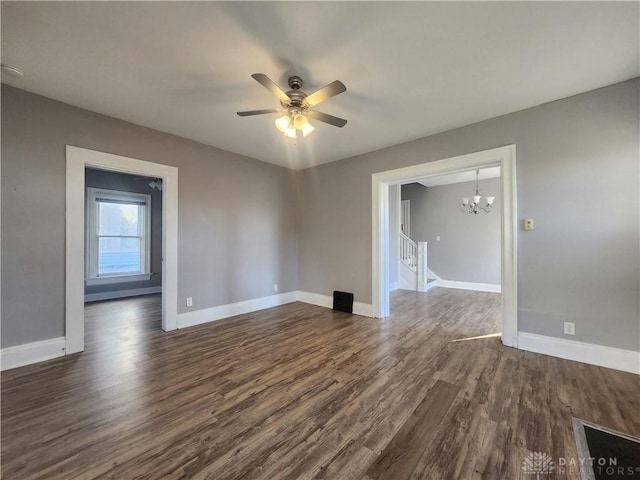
(296, 96)
(295, 82)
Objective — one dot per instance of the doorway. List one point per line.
(123, 258)
(78, 159)
(123, 226)
(455, 228)
(505, 158)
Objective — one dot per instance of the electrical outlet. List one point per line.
(569, 328)
(527, 224)
(275, 287)
(189, 301)
(437, 238)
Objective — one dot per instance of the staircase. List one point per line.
(408, 252)
(412, 266)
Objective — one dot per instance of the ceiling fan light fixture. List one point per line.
(300, 121)
(307, 129)
(282, 123)
(289, 124)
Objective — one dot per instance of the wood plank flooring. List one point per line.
(401, 455)
(302, 392)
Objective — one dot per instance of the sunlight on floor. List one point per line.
(479, 337)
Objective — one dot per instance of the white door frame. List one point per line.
(505, 158)
(78, 159)
(405, 220)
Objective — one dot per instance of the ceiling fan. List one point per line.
(297, 106)
(155, 183)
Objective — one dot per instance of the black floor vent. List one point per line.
(605, 454)
(343, 301)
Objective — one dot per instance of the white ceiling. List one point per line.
(411, 68)
(460, 177)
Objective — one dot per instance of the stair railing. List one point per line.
(408, 252)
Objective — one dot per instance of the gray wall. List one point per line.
(236, 219)
(577, 174)
(469, 246)
(131, 183)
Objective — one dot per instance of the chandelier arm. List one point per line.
(475, 209)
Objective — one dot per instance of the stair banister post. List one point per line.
(422, 266)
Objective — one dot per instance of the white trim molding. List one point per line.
(133, 292)
(21, 355)
(603, 356)
(359, 308)
(478, 287)
(109, 280)
(206, 315)
(505, 158)
(78, 159)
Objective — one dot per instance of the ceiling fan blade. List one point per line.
(326, 118)
(328, 91)
(258, 112)
(270, 85)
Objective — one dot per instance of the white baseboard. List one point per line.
(359, 308)
(316, 299)
(205, 315)
(432, 284)
(393, 286)
(20, 355)
(363, 309)
(432, 274)
(603, 356)
(478, 287)
(134, 292)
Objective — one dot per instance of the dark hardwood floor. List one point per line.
(302, 392)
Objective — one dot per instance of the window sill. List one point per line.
(117, 279)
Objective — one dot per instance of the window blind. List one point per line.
(102, 199)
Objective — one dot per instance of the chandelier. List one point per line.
(294, 120)
(473, 204)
